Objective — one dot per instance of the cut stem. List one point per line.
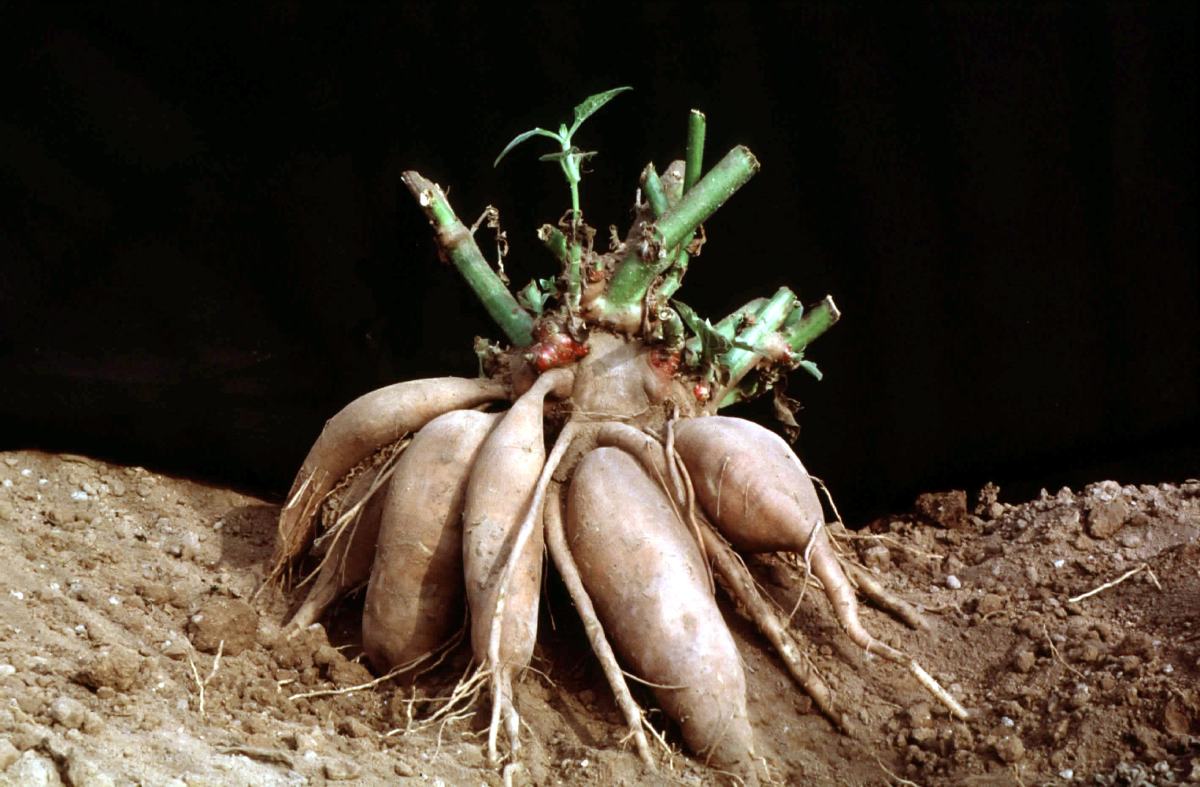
(555, 242)
(652, 187)
(695, 149)
(815, 322)
(636, 272)
(456, 244)
(768, 319)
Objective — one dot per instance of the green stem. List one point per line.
(672, 327)
(695, 149)
(674, 278)
(652, 187)
(768, 319)
(728, 326)
(456, 244)
(554, 241)
(815, 322)
(696, 205)
(637, 271)
(574, 278)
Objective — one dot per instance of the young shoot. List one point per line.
(569, 158)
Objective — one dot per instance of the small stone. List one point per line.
(920, 715)
(143, 489)
(402, 768)
(224, 620)
(340, 771)
(1130, 540)
(85, 773)
(118, 668)
(1079, 698)
(953, 582)
(34, 770)
(995, 510)
(8, 754)
(68, 712)
(1106, 517)
(1024, 661)
(878, 557)
(991, 602)
(947, 509)
(325, 655)
(353, 728)
(116, 486)
(1010, 749)
(1130, 663)
(923, 736)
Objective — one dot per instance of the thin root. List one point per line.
(1117, 581)
(557, 543)
(202, 684)
(528, 523)
(883, 598)
(891, 775)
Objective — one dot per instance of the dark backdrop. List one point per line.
(205, 250)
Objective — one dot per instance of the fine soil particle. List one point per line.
(118, 587)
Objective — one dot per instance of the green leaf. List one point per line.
(533, 298)
(521, 138)
(712, 343)
(593, 103)
(811, 368)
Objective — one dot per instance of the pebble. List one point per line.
(33, 770)
(402, 768)
(69, 712)
(340, 770)
(920, 715)
(953, 582)
(989, 603)
(222, 619)
(1010, 749)
(8, 754)
(1024, 661)
(85, 773)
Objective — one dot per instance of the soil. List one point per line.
(118, 588)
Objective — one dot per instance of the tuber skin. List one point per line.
(415, 597)
(644, 572)
(359, 429)
(498, 495)
(760, 497)
(750, 483)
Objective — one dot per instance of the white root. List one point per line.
(557, 542)
(501, 700)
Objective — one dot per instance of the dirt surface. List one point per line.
(118, 587)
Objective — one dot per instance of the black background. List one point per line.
(205, 250)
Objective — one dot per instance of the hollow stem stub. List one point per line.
(555, 241)
(637, 271)
(456, 244)
(815, 322)
(768, 319)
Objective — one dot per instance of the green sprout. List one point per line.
(570, 157)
